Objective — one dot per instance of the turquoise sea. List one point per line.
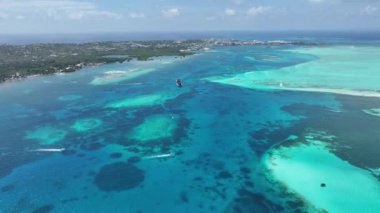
(253, 129)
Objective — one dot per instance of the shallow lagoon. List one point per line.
(46, 135)
(203, 146)
(143, 100)
(348, 70)
(153, 128)
(322, 179)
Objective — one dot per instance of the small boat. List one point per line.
(178, 82)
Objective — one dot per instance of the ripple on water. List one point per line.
(374, 112)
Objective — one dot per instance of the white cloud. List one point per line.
(259, 10)
(229, 12)
(137, 15)
(370, 10)
(171, 12)
(77, 15)
(58, 9)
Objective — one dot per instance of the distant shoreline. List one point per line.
(20, 61)
(90, 37)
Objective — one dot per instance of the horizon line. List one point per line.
(202, 31)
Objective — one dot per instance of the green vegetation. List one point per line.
(18, 61)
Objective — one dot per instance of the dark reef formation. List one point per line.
(116, 155)
(44, 209)
(119, 176)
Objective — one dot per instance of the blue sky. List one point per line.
(70, 16)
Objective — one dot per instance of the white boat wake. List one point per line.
(48, 150)
(160, 156)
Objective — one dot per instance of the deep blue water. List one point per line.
(209, 164)
(321, 36)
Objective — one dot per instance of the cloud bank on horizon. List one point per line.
(78, 16)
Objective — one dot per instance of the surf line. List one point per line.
(129, 84)
(159, 156)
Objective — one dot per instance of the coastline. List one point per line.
(26, 77)
(20, 61)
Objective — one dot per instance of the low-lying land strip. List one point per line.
(17, 61)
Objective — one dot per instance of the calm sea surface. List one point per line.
(123, 138)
